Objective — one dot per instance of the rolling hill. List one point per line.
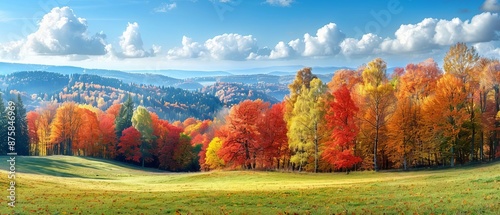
(73, 185)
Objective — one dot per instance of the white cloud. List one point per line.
(189, 49)
(326, 41)
(220, 47)
(412, 37)
(491, 6)
(165, 7)
(231, 46)
(365, 46)
(131, 43)
(433, 33)
(282, 50)
(60, 32)
(488, 49)
(282, 3)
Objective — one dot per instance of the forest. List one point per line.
(364, 119)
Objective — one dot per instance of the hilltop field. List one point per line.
(81, 185)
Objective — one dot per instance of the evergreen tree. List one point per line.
(21, 127)
(3, 127)
(124, 118)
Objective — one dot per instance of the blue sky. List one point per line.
(233, 34)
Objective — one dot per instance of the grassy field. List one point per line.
(77, 185)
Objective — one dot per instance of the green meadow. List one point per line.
(81, 185)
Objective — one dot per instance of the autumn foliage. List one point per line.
(368, 118)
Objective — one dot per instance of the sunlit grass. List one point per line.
(75, 185)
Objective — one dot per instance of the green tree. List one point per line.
(21, 125)
(141, 120)
(124, 118)
(3, 127)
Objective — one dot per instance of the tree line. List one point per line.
(418, 116)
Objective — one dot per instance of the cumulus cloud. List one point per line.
(61, 32)
(326, 41)
(283, 50)
(365, 46)
(433, 33)
(488, 49)
(282, 3)
(165, 7)
(412, 37)
(231, 46)
(220, 47)
(491, 6)
(131, 43)
(189, 49)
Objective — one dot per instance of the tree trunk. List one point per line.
(316, 148)
(377, 126)
(473, 130)
(481, 153)
(452, 160)
(248, 164)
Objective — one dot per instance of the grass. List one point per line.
(77, 185)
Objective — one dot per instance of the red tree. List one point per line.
(108, 135)
(273, 142)
(340, 150)
(32, 118)
(130, 143)
(240, 146)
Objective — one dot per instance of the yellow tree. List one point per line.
(212, 160)
(302, 81)
(378, 95)
(307, 120)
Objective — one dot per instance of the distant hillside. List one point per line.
(139, 78)
(168, 102)
(233, 93)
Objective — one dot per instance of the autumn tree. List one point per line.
(307, 118)
(88, 137)
(129, 145)
(44, 122)
(141, 120)
(339, 151)
(32, 118)
(461, 62)
(445, 112)
(413, 85)
(377, 92)
(273, 138)
(348, 77)
(65, 127)
(108, 135)
(240, 145)
(302, 80)
(212, 159)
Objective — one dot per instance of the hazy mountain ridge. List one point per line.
(38, 87)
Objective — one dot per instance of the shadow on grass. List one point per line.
(124, 165)
(46, 166)
(465, 166)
